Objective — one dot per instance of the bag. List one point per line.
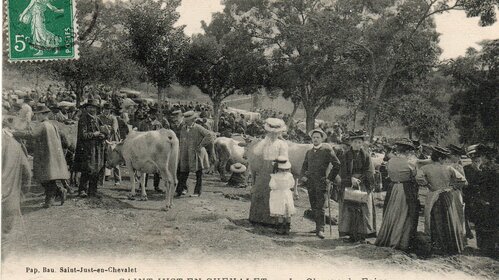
(354, 195)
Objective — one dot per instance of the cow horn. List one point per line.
(108, 142)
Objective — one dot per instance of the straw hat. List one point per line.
(238, 168)
(91, 102)
(455, 150)
(275, 125)
(318, 130)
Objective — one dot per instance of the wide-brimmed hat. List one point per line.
(442, 151)
(478, 150)
(318, 130)
(42, 109)
(405, 143)
(176, 113)
(190, 115)
(91, 102)
(238, 168)
(455, 150)
(358, 134)
(275, 125)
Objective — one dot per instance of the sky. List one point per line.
(458, 32)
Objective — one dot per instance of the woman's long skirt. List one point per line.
(357, 220)
(260, 195)
(447, 220)
(400, 220)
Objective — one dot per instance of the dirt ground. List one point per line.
(213, 225)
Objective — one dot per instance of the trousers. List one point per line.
(89, 182)
(182, 182)
(317, 198)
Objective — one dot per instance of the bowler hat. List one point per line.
(358, 134)
(91, 102)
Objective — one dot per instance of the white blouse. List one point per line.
(271, 150)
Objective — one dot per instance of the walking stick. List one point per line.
(329, 208)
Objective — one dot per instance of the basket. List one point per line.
(354, 195)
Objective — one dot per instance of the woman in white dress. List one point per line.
(262, 158)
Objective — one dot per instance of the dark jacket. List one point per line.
(316, 164)
(89, 155)
(357, 163)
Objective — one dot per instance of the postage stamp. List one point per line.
(41, 30)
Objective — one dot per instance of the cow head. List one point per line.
(114, 155)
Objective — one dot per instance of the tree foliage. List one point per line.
(153, 41)
(223, 61)
(477, 102)
(101, 60)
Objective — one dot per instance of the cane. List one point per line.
(329, 208)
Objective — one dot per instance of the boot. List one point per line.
(287, 228)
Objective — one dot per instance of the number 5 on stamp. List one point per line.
(41, 30)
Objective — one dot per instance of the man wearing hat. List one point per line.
(177, 120)
(481, 197)
(90, 149)
(239, 175)
(193, 157)
(56, 114)
(49, 163)
(313, 175)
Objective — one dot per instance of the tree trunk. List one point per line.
(410, 133)
(355, 118)
(79, 95)
(310, 115)
(161, 90)
(216, 113)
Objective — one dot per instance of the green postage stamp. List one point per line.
(41, 30)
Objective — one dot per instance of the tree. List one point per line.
(222, 62)
(427, 123)
(477, 101)
(308, 68)
(101, 61)
(153, 41)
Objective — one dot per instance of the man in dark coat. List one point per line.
(90, 149)
(313, 174)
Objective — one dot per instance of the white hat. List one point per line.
(238, 168)
(275, 125)
(283, 163)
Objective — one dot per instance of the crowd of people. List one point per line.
(457, 195)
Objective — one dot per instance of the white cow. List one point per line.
(149, 152)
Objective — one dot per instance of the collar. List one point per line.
(318, 146)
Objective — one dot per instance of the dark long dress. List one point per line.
(444, 208)
(357, 220)
(401, 215)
